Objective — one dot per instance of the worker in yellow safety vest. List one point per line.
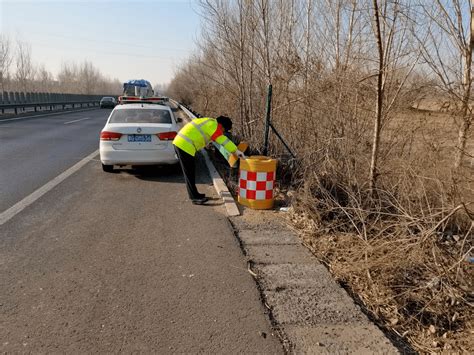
(193, 137)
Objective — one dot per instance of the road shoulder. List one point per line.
(310, 311)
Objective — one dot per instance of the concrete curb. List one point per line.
(219, 184)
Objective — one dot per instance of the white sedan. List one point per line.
(138, 134)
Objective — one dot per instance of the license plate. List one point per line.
(139, 137)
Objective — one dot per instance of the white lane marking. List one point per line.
(80, 119)
(28, 200)
(47, 114)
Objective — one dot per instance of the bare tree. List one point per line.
(68, 78)
(25, 70)
(27, 77)
(5, 61)
(380, 96)
(88, 77)
(448, 52)
(44, 79)
(396, 59)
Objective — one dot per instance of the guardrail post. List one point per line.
(41, 99)
(48, 99)
(6, 99)
(28, 99)
(36, 101)
(22, 100)
(16, 99)
(54, 97)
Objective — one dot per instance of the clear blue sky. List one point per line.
(123, 39)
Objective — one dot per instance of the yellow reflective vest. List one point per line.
(195, 135)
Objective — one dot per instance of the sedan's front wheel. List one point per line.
(108, 168)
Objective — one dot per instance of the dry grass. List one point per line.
(417, 288)
(402, 250)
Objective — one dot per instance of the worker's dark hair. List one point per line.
(225, 121)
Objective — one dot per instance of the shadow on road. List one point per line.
(171, 173)
(168, 173)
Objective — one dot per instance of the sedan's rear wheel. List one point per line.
(108, 168)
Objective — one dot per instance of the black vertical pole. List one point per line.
(267, 119)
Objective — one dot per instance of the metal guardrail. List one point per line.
(37, 105)
(20, 100)
(186, 110)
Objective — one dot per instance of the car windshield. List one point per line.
(140, 116)
(107, 99)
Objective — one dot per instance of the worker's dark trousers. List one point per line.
(188, 165)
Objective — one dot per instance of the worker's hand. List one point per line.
(240, 154)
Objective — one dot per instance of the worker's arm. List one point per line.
(221, 139)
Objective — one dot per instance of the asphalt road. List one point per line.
(116, 262)
(35, 150)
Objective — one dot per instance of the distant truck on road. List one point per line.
(140, 91)
(138, 88)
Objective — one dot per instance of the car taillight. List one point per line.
(166, 136)
(110, 136)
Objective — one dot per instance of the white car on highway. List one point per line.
(138, 134)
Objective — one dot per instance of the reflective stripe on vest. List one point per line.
(198, 127)
(227, 140)
(187, 139)
(192, 137)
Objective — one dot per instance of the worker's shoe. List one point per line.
(201, 195)
(199, 201)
